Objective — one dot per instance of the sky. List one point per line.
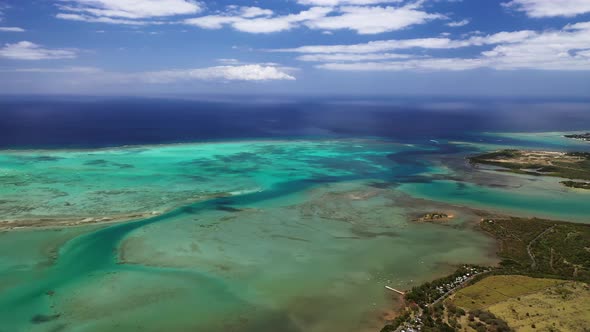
(518, 48)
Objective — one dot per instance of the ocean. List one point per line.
(57, 122)
(290, 215)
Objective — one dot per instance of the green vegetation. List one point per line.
(570, 165)
(542, 248)
(499, 288)
(426, 310)
(582, 137)
(576, 184)
(397, 322)
(434, 216)
(565, 307)
(430, 292)
(485, 321)
(532, 251)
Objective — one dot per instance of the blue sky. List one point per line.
(299, 47)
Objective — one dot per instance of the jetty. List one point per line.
(395, 290)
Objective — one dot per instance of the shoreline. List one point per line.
(517, 259)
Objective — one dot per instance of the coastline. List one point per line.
(412, 315)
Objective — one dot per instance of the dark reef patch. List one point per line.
(40, 319)
(228, 208)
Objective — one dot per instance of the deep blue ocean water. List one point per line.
(44, 122)
(88, 287)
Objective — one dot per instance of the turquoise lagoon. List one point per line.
(293, 235)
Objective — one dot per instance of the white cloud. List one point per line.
(501, 37)
(61, 70)
(578, 26)
(225, 74)
(226, 61)
(362, 19)
(254, 72)
(456, 24)
(372, 20)
(11, 29)
(250, 12)
(212, 21)
(93, 19)
(550, 8)
(344, 57)
(134, 9)
(26, 50)
(334, 3)
(376, 46)
(421, 64)
(125, 11)
(550, 50)
(565, 49)
(258, 24)
(280, 23)
(362, 16)
(425, 43)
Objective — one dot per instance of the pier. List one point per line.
(395, 290)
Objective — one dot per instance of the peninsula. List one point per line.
(569, 165)
(582, 137)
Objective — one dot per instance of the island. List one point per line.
(545, 268)
(569, 165)
(434, 217)
(576, 184)
(582, 137)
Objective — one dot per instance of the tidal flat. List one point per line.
(290, 235)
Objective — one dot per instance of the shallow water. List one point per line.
(251, 236)
(112, 182)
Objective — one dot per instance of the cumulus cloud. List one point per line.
(344, 57)
(253, 72)
(425, 43)
(94, 19)
(564, 49)
(456, 24)
(550, 8)
(11, 29)
(325, 15)
(250, 12)
(421, 64)
(372, 20)
(91, 76)
(229, 61)
(262, 24)
(26, 50)
(378, 46)
(334, 3)
(125, 11)
(361, 16)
